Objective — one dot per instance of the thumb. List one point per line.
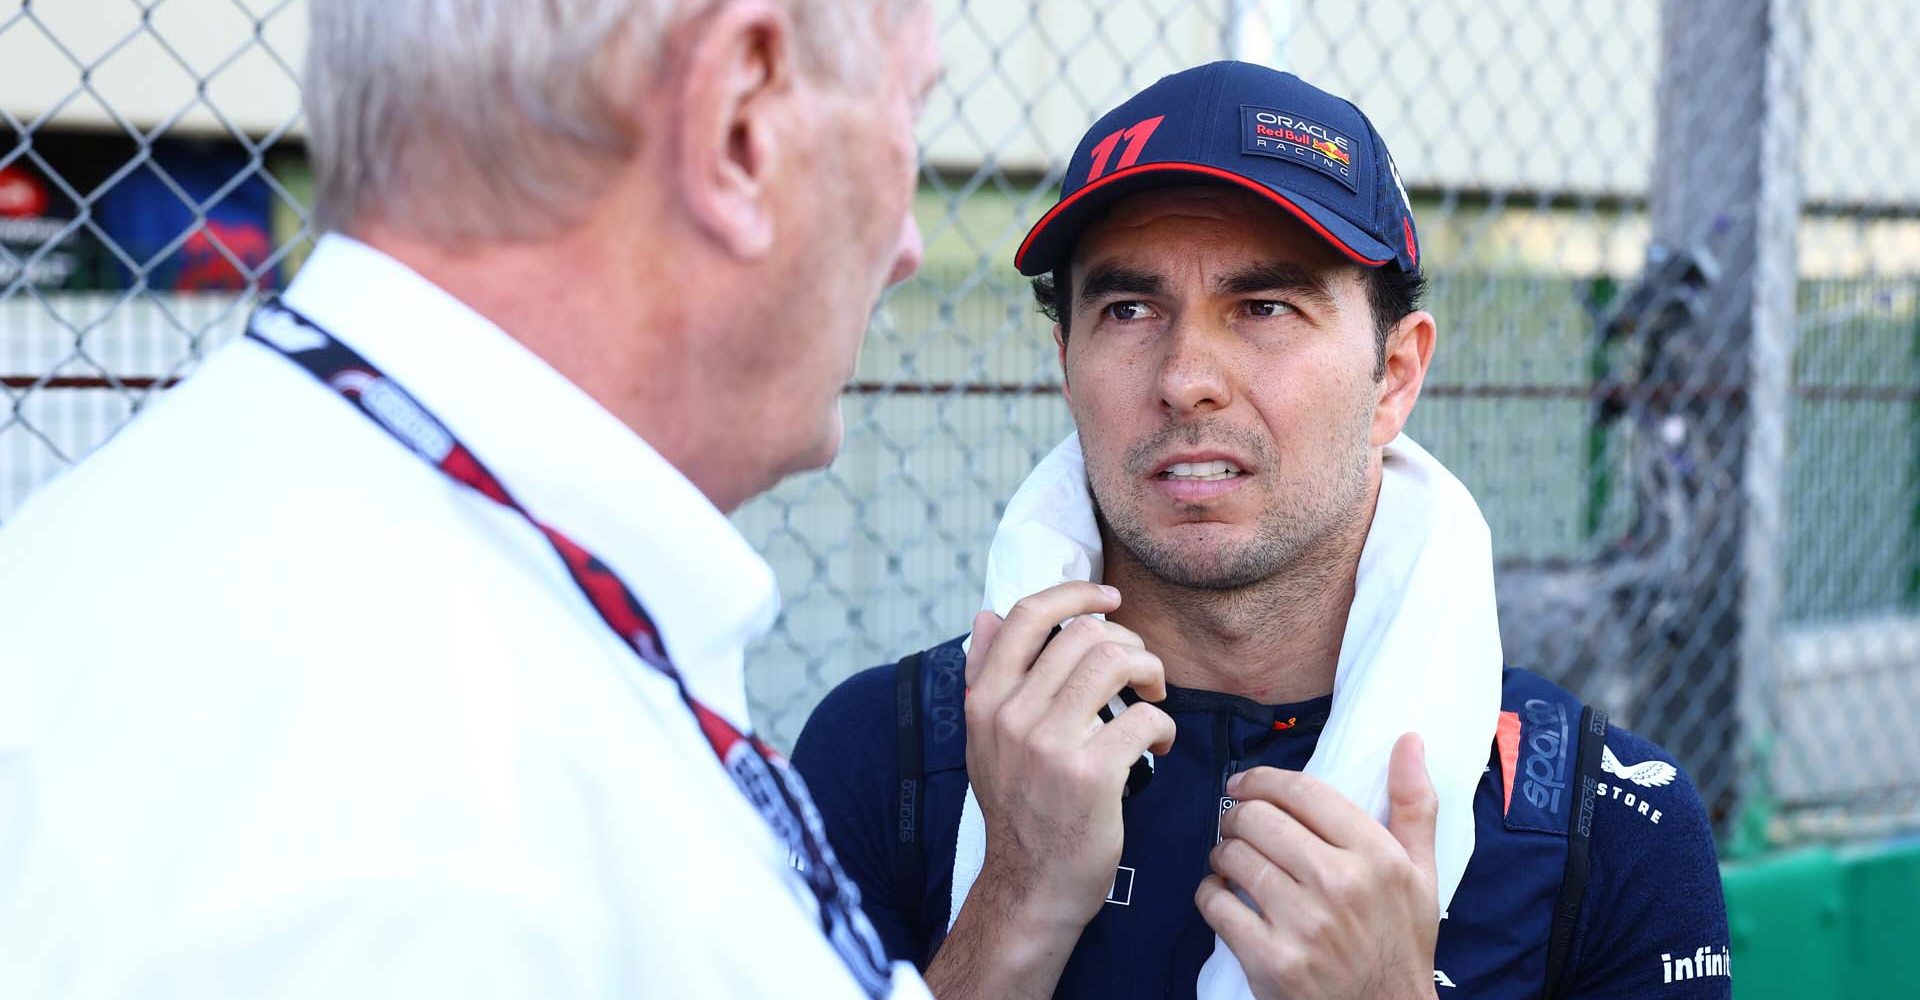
(1412, 805)
(986, 625)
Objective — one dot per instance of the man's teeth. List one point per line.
(1202, 471)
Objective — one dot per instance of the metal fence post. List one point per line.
(1913, 520)
(1725, 177)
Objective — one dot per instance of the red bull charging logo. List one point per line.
(1327, 148)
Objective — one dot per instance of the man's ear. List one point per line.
(1408, 353)
(1060, 341)
(738, 83)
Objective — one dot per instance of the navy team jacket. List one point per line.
(1651, 923)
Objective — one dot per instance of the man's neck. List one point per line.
(1274, 642)
(603, 321)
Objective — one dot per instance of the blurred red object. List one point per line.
(22, 195)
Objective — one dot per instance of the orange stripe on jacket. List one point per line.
(1507, 738)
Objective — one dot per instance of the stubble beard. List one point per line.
(1291, 538)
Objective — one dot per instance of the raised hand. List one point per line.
(1344, 908)
(1049, 778)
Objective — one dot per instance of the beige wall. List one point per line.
(1552, 95)
(1535, 95)
(148, 78)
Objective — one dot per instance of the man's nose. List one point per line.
(1192, 378)
(911, 251)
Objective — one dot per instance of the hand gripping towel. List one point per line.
(1421, 650)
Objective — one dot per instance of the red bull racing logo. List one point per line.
(1330, 151)
(1268, 132)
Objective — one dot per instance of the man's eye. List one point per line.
(1124, 311)
(1268, 309)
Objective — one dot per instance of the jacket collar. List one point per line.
(568, 460)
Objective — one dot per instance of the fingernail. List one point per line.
(1112, 592)
(1233, 783)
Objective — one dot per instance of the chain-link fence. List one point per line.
(1675, 252)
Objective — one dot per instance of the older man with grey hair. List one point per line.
(398, 652)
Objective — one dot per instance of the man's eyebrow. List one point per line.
(1118, 279)
(1291, 279)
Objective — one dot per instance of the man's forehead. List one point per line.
(1254, 228)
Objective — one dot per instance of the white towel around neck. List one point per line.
(1421, 651)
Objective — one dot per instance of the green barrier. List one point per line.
(1839, 923)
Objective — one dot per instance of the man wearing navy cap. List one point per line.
(1288, 585)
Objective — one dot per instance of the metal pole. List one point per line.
(1726, 177)
(1600, 296)
(1913, 523)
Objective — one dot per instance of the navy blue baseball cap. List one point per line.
(1310, 153)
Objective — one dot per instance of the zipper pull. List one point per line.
(1226, 801)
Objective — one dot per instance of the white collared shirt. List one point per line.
(284, 712)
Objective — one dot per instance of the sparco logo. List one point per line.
(944, 712)
(907, 822)
(1546, 764)
(907, 817)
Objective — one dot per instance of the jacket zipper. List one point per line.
(1227, 765)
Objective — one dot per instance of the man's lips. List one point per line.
(1196, 477)
(1201, 465)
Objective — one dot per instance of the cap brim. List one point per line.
(1052, 238)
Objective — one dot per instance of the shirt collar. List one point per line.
(1304, 715)
(569, 461)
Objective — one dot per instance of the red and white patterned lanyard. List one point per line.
(762, 774)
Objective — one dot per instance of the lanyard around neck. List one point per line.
(762, 775)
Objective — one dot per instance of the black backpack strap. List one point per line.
(1573, 885)
(910, 852)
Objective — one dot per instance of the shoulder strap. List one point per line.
(1573, 885)
(910, 854)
